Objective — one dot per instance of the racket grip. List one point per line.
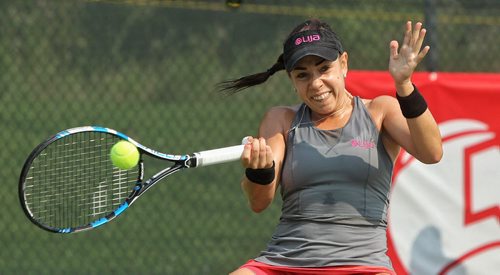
(221, 155)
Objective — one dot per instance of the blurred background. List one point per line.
(149, 69)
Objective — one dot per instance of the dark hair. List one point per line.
(230, 87)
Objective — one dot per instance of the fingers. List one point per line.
(415, 33)
(418, 37)
(269, 156)
(257, 154)
(423, 53)
(247, 152)
(393, 46)
(414, 37)
(408, 34)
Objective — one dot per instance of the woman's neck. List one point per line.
(338, 116)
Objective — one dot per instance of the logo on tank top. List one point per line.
(364, 144)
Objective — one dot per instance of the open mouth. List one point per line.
(321, 97)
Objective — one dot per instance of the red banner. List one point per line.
(445, 218)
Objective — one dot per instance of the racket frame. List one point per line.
(180, 162)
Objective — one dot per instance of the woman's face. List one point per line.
(320, 83)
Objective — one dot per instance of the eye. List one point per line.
(301, 75)
(324, 68)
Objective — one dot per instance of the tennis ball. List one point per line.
(124, 155)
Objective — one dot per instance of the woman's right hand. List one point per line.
(257, 154)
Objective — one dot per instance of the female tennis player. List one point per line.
(333, 156)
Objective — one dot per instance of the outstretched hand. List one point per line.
(403, 60)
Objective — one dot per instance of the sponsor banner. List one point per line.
(445, 218)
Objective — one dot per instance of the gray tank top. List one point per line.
(335, 188)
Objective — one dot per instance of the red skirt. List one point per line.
(265, 269)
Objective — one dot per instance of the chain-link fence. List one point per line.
(149, 69)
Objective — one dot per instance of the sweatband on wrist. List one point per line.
(412, 105)
(263, 176)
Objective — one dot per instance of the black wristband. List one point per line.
(262, 176)
(412, 105)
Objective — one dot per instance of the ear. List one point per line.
(344, 57)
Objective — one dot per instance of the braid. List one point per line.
(278, 66)
(230, 87)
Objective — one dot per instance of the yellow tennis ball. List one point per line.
(124, 155)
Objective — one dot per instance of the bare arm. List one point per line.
(260, 153)
(419, 136)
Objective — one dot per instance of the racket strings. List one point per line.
(72, 182)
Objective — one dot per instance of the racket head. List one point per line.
(69, 184)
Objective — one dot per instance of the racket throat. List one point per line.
(158, 177)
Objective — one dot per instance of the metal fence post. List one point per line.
(431, 61)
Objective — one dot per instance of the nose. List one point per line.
(316, 81)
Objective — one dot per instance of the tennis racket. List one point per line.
(68, 183)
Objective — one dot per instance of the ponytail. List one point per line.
(231, 87)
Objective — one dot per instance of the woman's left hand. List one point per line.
(403, 60)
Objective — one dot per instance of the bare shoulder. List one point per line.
(379, 107)
(279, 118)
(282, 113)
(382, 105)
(383, 101)
(284, 109)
